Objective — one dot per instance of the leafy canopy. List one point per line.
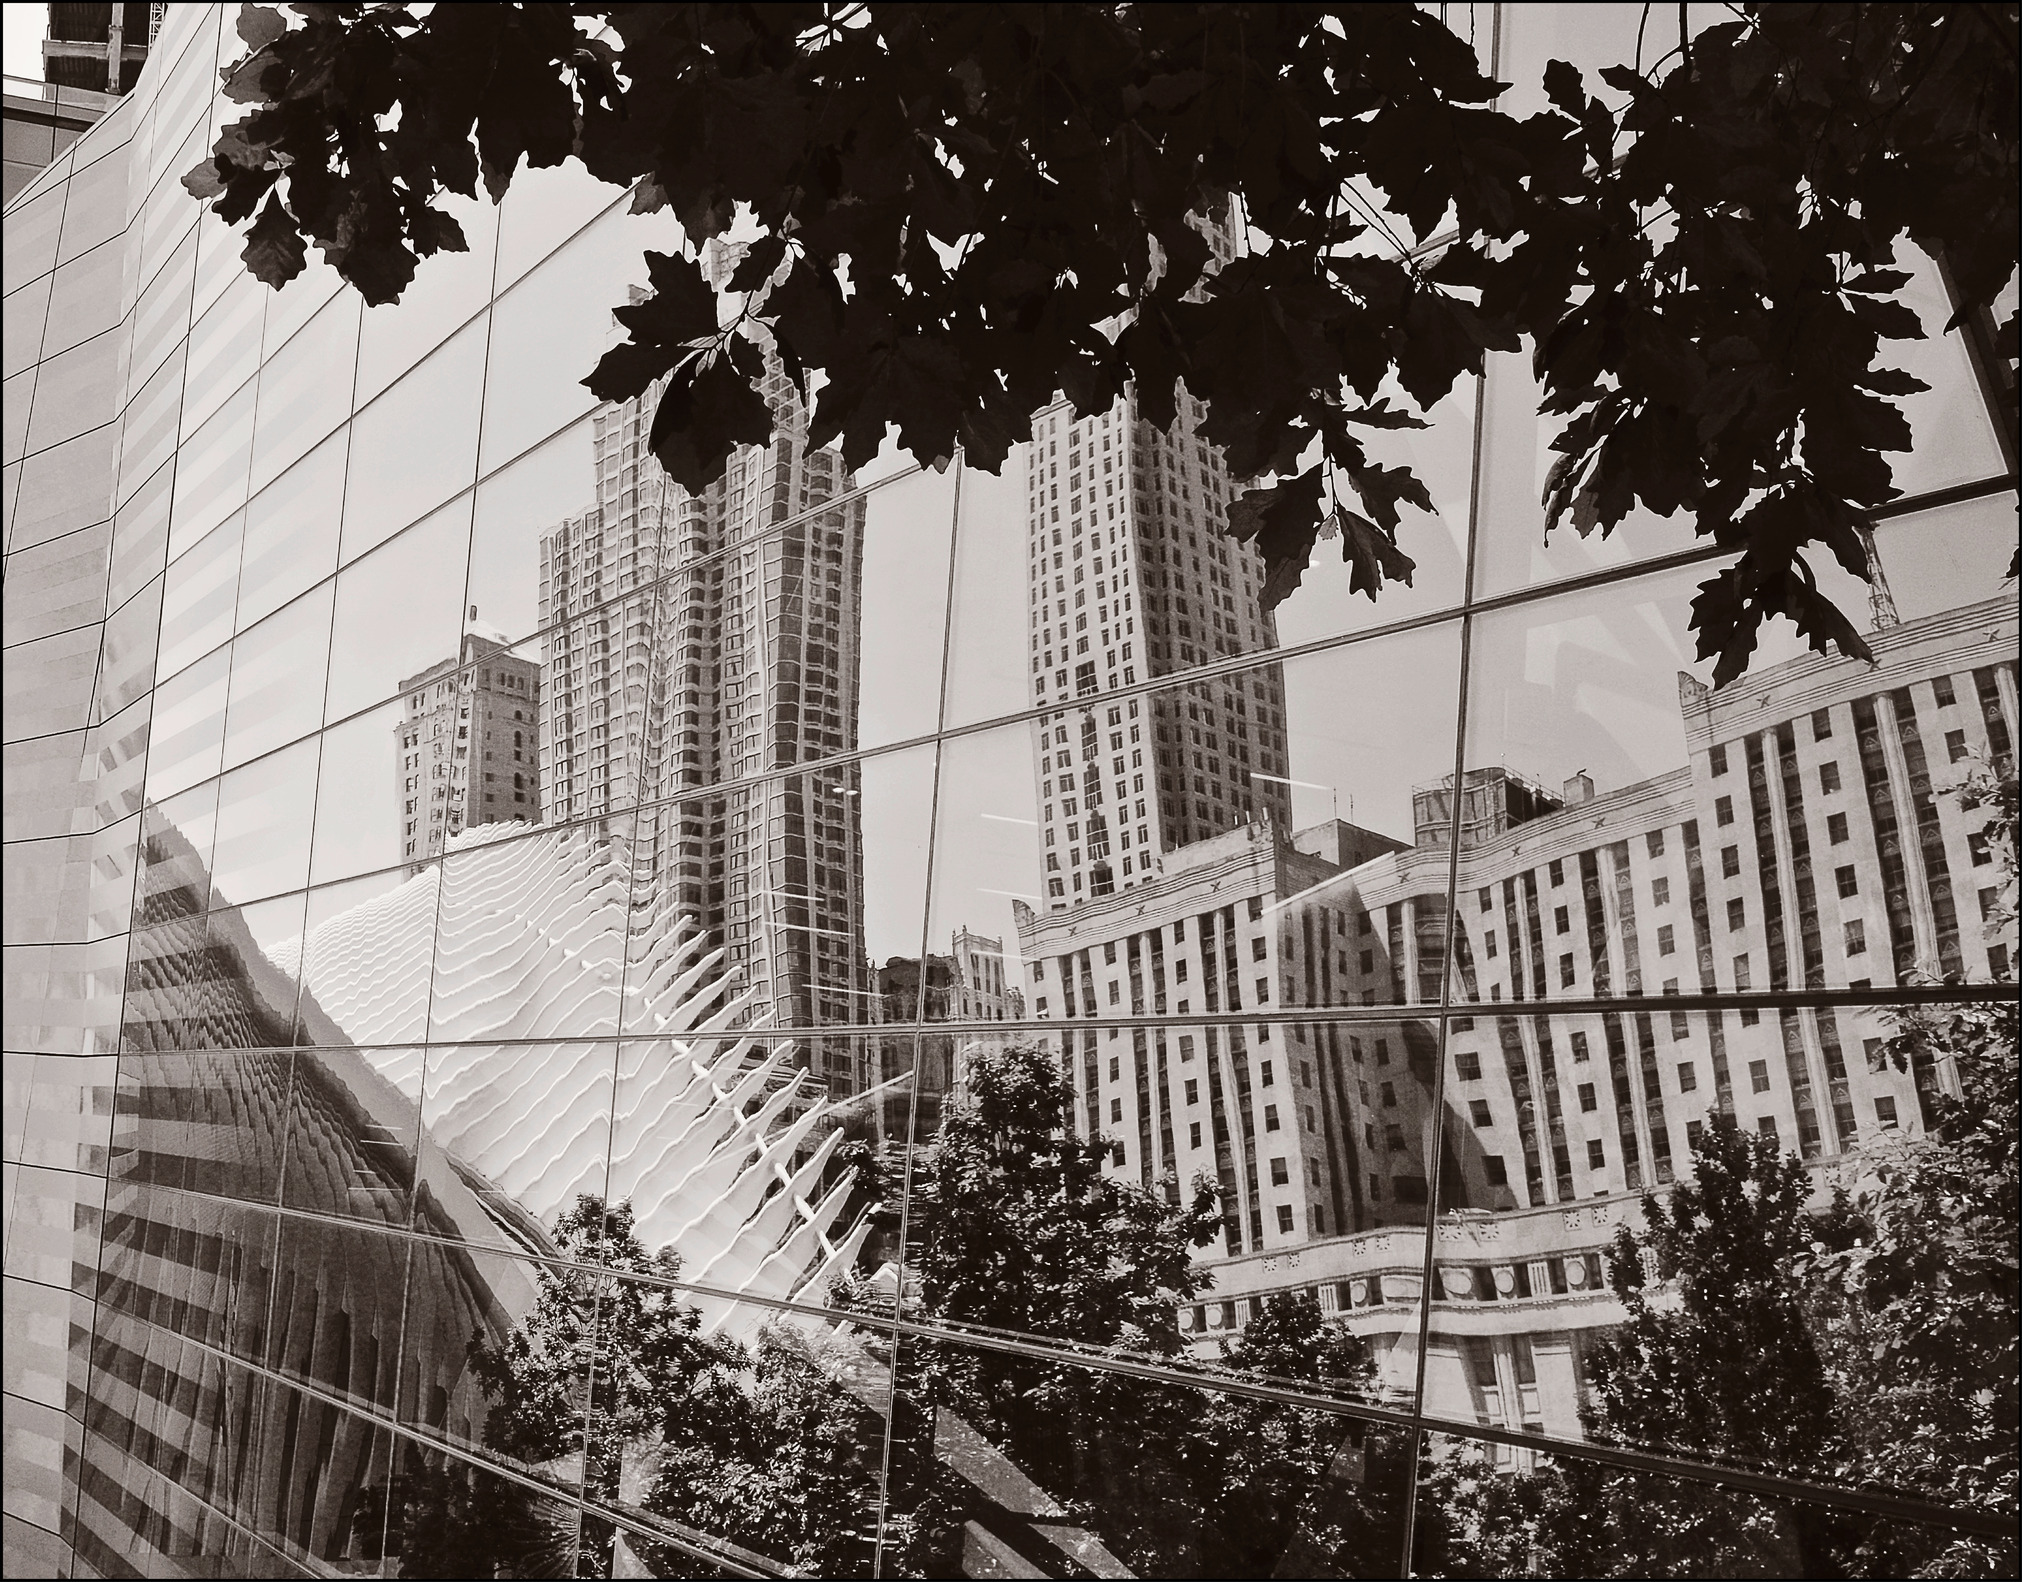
(759, 1446)
(959, 210)
(1020, 1228)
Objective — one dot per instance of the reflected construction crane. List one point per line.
(1881, 602)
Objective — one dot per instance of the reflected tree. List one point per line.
(1024, 1233)
(1291, 1492)
(771, 1443)
(1873, 1343)
(1714, 1362)
(783, 1458)
(1917, 1315)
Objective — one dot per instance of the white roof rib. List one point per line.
(516, 956)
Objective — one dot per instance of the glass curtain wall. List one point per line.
(902, 1023)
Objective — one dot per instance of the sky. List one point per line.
(25, 26)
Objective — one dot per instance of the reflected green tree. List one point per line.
(1714, 1361)
(1021, 1231)
(1873, 1343)
(773, 1444)
(1917, 1313)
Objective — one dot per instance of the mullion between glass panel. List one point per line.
(1205, 673)
(920, 1015)
(1501, 601)
(627, 923)
(1343, 1016)
(435, 925)
(126, 325)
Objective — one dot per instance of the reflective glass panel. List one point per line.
(422, 436)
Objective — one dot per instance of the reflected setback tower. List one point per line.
(698, 639)
(467, 747)
(1130, 577)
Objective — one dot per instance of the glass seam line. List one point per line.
(836, 761)
(75, 1491)
(1436, 1144)
(920, 1012)
(41, 340)
(1039, 1348)
(307, 1564)
(1951, 494)
(44, 360)
(67, 1489)
(112, 422)
(28, 194)
(196, 222)
(1238, 664)
(1956, 494)
(253, 382)
(490, 305)
(435, 921)
(608, 606)
(1931, 500)
(141, 287)
(1905, 995)
(654, 663)
(746, 1563)
(42, 353)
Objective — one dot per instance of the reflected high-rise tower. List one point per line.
(467, 749)
(700, 646)
(1131, 576)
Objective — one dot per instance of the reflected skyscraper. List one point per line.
(467, 744)
(1130, 578)
(969, 984)
(694, 640)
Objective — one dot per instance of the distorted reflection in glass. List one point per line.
(1627, 827)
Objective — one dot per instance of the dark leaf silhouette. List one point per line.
(1018, 198)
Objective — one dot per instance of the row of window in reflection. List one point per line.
(1709, 879)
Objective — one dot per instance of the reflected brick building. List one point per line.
(1271, 1112)
(1130, 578)
(968, 985)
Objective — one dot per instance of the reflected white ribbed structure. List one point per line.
(705, 1126)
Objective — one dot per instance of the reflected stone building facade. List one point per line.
(1808, 843)
(1131, 578)
(1269, 1111)
(467, 744)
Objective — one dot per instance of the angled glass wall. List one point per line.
(557, 1027)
